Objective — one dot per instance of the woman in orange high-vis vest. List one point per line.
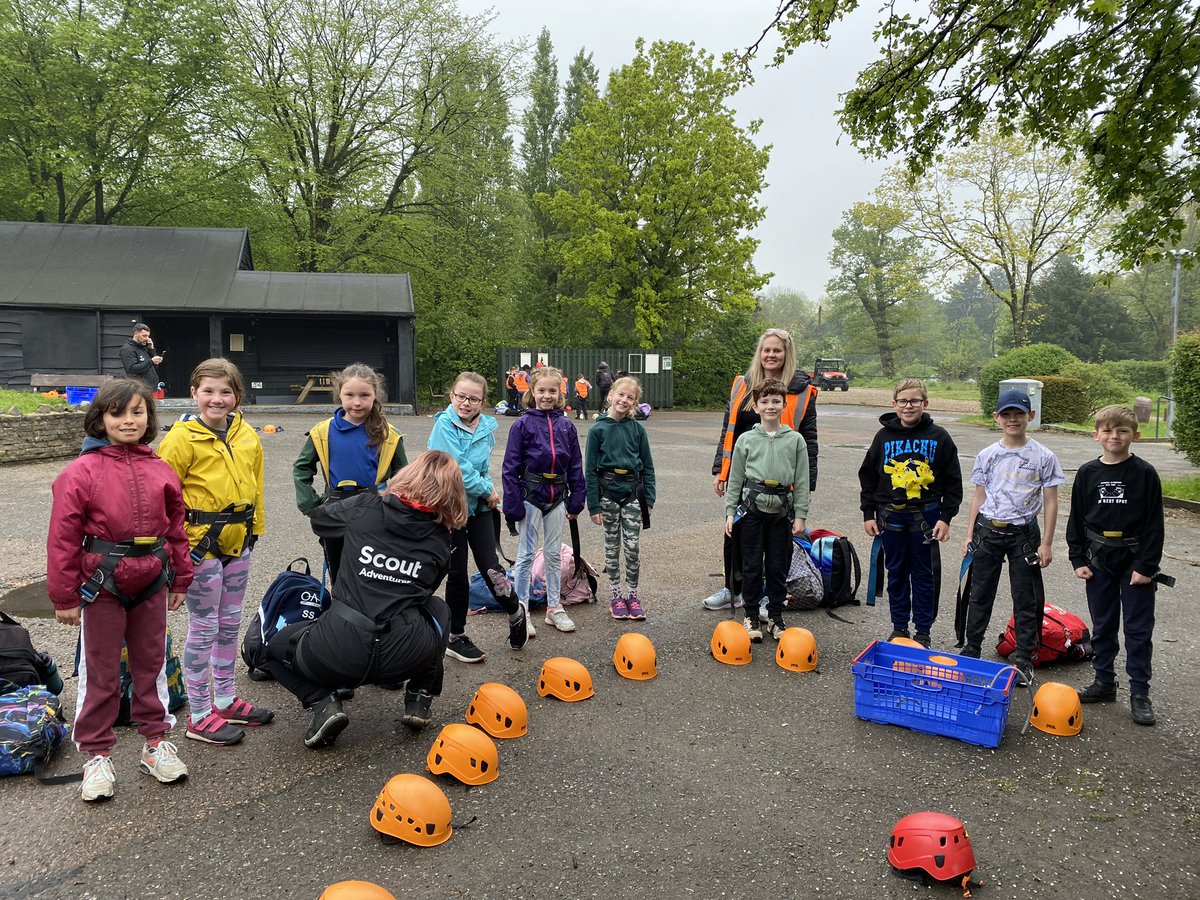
(774, 357)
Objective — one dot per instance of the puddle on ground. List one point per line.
(30, 600)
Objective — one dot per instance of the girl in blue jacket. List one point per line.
(543, 485)
(466, 434)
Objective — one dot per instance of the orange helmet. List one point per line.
(565, 678)
(634, 657)
(906, 642)
(356, 890)
(1056, 709)
(731, 643)
(414, 809)
(466, 753)
(498, 710)
(933, 842)
(797, 650)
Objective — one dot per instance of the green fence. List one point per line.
(651, 367)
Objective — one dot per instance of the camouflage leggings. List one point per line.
(622, 528)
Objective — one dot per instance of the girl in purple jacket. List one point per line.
(543, 485)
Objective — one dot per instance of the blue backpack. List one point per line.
(837, 561)
(32, 727)
(294, 596)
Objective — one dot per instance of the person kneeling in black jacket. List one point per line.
(384, 626)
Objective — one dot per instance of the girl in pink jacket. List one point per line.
(116, 560)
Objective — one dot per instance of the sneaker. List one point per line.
(99, 779)
(762, 612)
(462, 649)
(212, 729)
(243, 712)
(518, 632)
(1141, 709)
(618, 608)
(557, 616)
(720, 600)
(775, 629)
(923, 638)
(635, 608)
(328, 721)
(416, 709)
(163, 762)
(529, 628)
(1098, 692)
(898, 633)
(752, 629)
(1024, 671)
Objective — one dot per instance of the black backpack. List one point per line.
(20, 663)
(294, 596)
(837, 560)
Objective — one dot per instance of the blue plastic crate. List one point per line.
(934, 692)
(77, 395)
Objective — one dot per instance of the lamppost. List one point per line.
(1179, 257)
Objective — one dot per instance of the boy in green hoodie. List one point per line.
(768, 494)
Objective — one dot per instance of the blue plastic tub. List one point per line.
(77, 395)
(934, 692)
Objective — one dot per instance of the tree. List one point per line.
(1083, 316)
(879, 269)
(583, 85)
(347, 106)
(663, 193)
(1000, 204)
(101, 102)
(1113, 84)
(540, 123)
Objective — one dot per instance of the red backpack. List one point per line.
(1065, 638)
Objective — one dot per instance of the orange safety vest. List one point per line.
(521, 380)
(562, 388)
(581, 388)
(737, 396)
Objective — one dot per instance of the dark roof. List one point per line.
(124, 267)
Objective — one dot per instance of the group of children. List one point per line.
(145, 531)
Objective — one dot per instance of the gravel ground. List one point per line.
(708, 781)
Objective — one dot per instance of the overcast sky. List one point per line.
(812, 178)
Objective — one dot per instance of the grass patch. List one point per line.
(1182, 488)
(28, 401)
(947, 390)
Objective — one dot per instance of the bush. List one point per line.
(1184, 360)
(1146, 376)
(1102, 388)
(706, 364)
(1049, 359)
(1064, 399)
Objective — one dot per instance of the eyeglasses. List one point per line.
(463, 398)
(906, 402)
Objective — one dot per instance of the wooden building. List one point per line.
(69, 295)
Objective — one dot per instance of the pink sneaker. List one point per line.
(635, 607)
(618, 608)
(243, 712)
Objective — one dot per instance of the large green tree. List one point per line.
(879, 274)
(1110, 82)
(663, 195)
(1001, 206)
(347, 106)
(103, 107)
(1083, 315)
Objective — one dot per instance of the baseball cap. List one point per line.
(1014, 400)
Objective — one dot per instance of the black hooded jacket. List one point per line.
(912, 466)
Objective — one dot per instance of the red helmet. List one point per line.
(933, 842)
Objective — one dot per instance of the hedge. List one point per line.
(1146, 376)
(1049, 359)
(1064, 399)
(1184, 360)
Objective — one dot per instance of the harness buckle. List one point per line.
(998, 524)
(1114, 534)
(145, 540)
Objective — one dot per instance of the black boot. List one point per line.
(328, 721)
(416, 709)
(1098, 692)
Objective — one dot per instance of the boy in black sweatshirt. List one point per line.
(1115, 543)
(911, 487)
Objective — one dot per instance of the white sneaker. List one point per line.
(762, 612)
(530, 628)
(557, 616)
(99, 779)
(720, 600)
(163, 762)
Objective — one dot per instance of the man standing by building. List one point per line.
(139, 358)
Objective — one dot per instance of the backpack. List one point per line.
(572, 588)
(32, 728)
(642, 412)
(805, 588)
(176, 692)
(1065, 638)
(294, 596)
(837, 561)
(20, 663)
(480, 599)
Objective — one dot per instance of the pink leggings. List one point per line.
(214, 605)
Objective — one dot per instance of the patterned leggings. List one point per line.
(622, 529)
(214, 605)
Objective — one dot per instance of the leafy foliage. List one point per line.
(1021, 362)
(707, 362)
(1082, 315)
(1101, 388)
(1064, 399)
(1149, 376)
(1185, 383)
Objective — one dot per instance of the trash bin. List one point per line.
(1031, 387)
(1142, 407)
